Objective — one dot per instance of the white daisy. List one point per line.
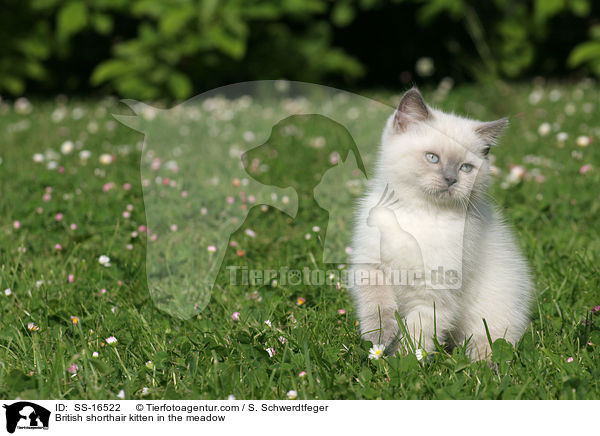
(376, 351)
(583, 141)
(67, 147)
(104, 260)
(544, 129)
(419, 353)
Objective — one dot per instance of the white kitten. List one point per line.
(427, 242)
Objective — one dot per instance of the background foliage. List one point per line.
(175, 48)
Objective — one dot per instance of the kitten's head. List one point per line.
(440, 156)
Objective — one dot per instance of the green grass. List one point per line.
(210, 355)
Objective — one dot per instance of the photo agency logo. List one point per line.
(239, 170)
(25, 415)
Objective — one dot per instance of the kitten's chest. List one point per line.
(440, 236)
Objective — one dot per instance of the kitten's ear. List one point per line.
(412, 108)
(490, 131)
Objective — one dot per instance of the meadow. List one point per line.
(79, 321)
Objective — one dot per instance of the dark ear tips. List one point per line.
(412, 108)
(490, 132)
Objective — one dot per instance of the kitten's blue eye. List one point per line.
(466, 167)
(432, 157)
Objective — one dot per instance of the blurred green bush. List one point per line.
(151, 49)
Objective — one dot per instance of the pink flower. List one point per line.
(230, 200)
(184, 194)
(174, 227)
(16, 225)
(108, 186)
(126, 214)
(47, 197)
(271, 351)
(73, 226)
(58, 247)
(334, 158)
(71, 278)
(142, 229)
(517, 173)
(302, 374)
(595, 310)
(61, 170)
(570, 359)
(585, 168)
(211, 248)
(73, 369)
(235, 316)
(59, 216)
(127, 186)
(103, 291)
(342, 311)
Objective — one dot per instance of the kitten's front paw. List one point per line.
(392, 347)
(479, 349)
(383, 336)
